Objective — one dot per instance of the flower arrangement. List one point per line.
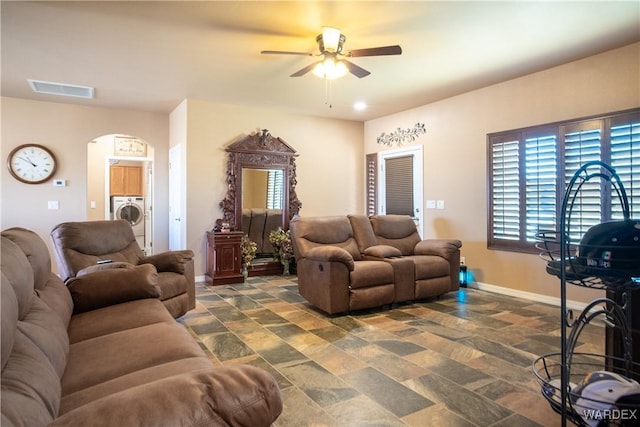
(282, 246)
(248, 249)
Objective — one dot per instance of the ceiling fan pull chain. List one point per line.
(327, 92)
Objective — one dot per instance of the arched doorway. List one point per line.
(120, 184)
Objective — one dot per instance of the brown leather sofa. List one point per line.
(339, 261)
(81, 246)
(121, 360)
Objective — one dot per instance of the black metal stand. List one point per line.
(561, 373)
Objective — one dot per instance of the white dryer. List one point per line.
(131, 209)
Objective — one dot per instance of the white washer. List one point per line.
(131, 209)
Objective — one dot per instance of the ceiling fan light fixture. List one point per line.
(332, 40)
(330, 69)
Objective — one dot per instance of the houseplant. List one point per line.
(282, 248)
(248, 249)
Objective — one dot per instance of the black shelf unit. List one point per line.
(561, 373)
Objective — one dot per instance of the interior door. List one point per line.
(176, 223)
(400, 178)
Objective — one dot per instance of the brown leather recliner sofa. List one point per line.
(382, 260)
(81, 247)
(115, 358)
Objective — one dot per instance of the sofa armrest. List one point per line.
(239, 395)
(173, 261)
(439, 247)
(113, 286)
(331, 254)
(382, 251)
(102, 267)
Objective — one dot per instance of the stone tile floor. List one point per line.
(463, 359)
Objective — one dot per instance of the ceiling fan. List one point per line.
(333, 64)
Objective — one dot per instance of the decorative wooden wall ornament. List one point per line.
(259, 151)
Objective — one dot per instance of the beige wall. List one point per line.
(329, 165)
(331, 156)
(67, 129)
(455, 159)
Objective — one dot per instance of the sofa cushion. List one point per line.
(17, 270)
(396, 230)
(45, 329)
(36, 251)
(116, 318)
(9, 315)
(362, 231)
(96, 360)
(30, 385)
(429, 266)
(133, 379)
(225, 396)
(318, 231)
(109, 287)
(371, 273)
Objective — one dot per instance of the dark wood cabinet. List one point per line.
(224, 258)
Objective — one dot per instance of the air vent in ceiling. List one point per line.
(63, 89)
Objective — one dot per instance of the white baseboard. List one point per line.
(200, 278)
(574, 305)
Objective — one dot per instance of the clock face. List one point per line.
(31, 163)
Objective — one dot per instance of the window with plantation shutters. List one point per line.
(372, 184)
(529, 170)
(625, 159)
(505, 200)
(582, 143)
(275, 184)
(540, 173)
(399, 185)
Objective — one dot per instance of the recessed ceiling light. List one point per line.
(360, 106)
(64, 89)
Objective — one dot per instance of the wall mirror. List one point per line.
(261, 195)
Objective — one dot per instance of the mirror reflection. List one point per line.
(262, 200)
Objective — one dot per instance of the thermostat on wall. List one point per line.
(59, 183)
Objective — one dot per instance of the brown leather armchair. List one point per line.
(332, 275)
(82, 248)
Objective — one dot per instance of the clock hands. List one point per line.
(28, 160)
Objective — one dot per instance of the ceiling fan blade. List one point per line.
(284, 52)
(357, 71)
(305, 70)
(376, 51)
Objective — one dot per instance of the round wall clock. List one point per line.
(31, 163)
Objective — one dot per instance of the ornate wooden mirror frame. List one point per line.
(259, 151)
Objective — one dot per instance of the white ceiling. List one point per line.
(152, 55)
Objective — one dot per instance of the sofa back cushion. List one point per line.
(35, 343)
(362, 231)
(311, 232)
(398, 231)
(79, 245)
(258, 223)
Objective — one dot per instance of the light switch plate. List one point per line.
(431, 204)
(53, 205)
(440, 204)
